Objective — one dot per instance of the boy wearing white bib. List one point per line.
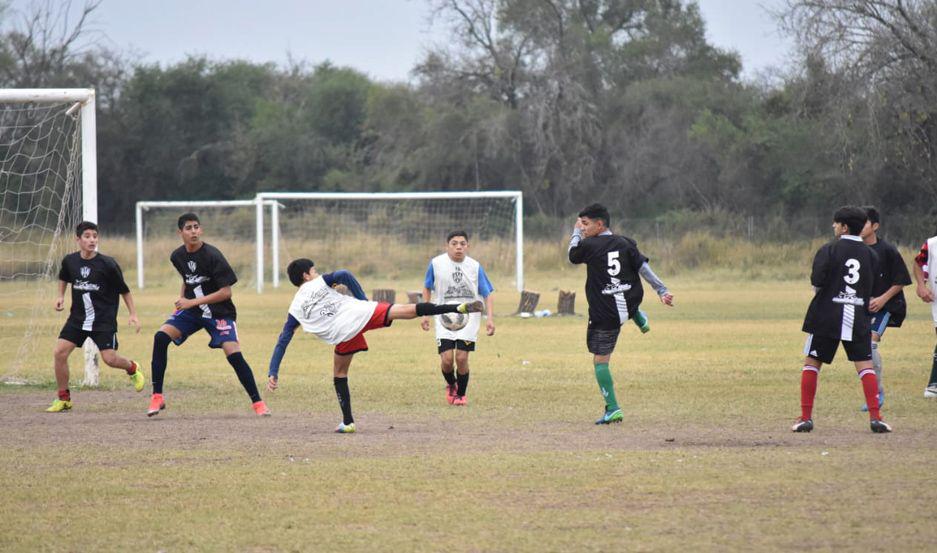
(454, 277)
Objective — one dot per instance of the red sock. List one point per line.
(870, 389)
(65, 395)
(808, 390)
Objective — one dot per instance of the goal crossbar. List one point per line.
(262, 197)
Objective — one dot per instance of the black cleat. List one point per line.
(879, 426)
(802, 425)
(472, 307)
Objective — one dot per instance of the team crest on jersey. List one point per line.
(85, 272)
(457, 275)
(191, 265)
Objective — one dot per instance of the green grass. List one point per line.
(704, 461)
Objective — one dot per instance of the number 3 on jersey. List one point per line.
(852, 276)
(614, 265)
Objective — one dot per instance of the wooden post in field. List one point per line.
(385, 295)
(566, 305)
(528, 302)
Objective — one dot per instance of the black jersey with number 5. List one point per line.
(613, 287)
(843, 273)
(204, 272)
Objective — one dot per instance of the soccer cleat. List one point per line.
(881, 401)
(802, 425)
(471, 307)
(59, 406)
(156, 405)
(345, 428)
(879, 426)
(137, 378)
(261, 408)
(930, 391)
(611, 416)
(451, 392)
(460, 400)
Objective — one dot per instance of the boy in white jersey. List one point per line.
(454, 277)
(341, 321)
(925, 274)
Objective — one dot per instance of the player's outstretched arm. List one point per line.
(283, 341)
(342, 276)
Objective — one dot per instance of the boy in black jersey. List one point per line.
(96, 281)
(613, 291)
(843, 277)
(887, 306)
(204, 302)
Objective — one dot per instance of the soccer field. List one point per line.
(705, 459)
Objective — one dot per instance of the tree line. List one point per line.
(571, 101)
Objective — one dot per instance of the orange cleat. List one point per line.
(451, 393)
(261, 408)
(156, 405)
(460, 400)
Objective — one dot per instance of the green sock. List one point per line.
(640, 319)
(604, 377)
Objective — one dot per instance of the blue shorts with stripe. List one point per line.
(187, 323)
(880, 322)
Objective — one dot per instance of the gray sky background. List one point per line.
(383, 38)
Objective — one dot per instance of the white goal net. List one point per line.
(43, 196)
(394, 235)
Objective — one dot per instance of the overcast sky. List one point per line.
(383, 38)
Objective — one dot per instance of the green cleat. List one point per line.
(610, 417)
(345, 428)
(137, 378)
(59, 406)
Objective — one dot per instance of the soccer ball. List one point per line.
(453, 321)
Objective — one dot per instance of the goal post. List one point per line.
(494, 214)
(40, 129)
(142, 207)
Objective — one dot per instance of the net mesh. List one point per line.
(40, 204)
(394, 238)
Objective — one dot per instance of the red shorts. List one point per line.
(378, 320)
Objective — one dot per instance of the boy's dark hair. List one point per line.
(851, 216)
(185, 218)
(596, 212)
(874, 216)
(83, 226)
(296, 268)
(455, 233)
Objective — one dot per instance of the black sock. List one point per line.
(344, 398)
(449, 376)
(158, 363)
(933, 369)
(433, 309)
(462, 379)
(245, 375)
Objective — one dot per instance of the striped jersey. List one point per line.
(613, 285)
(97, 284)
(843, 275)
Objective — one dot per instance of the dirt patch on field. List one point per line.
(117, 421)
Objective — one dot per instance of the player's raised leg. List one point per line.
(405, 311)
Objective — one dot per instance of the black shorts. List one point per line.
(443, 345)
(103, 339)
(601, 341)
(823, 349)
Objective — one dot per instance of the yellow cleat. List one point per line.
(59, 406)
(137, 378)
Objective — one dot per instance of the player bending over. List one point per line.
(342, 320)
(613, 291)
(96, 281)
(887, 306)
(842, 277)
(204, 302)
(454, 277)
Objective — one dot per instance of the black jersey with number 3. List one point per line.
(843, 273)
(613, 285)
(204, 272)
(97, 284)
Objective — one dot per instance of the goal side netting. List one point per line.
(40, 205)
(393, 236)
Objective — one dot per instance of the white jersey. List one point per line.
(456, 283)
(932, 273)
(332, 316)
